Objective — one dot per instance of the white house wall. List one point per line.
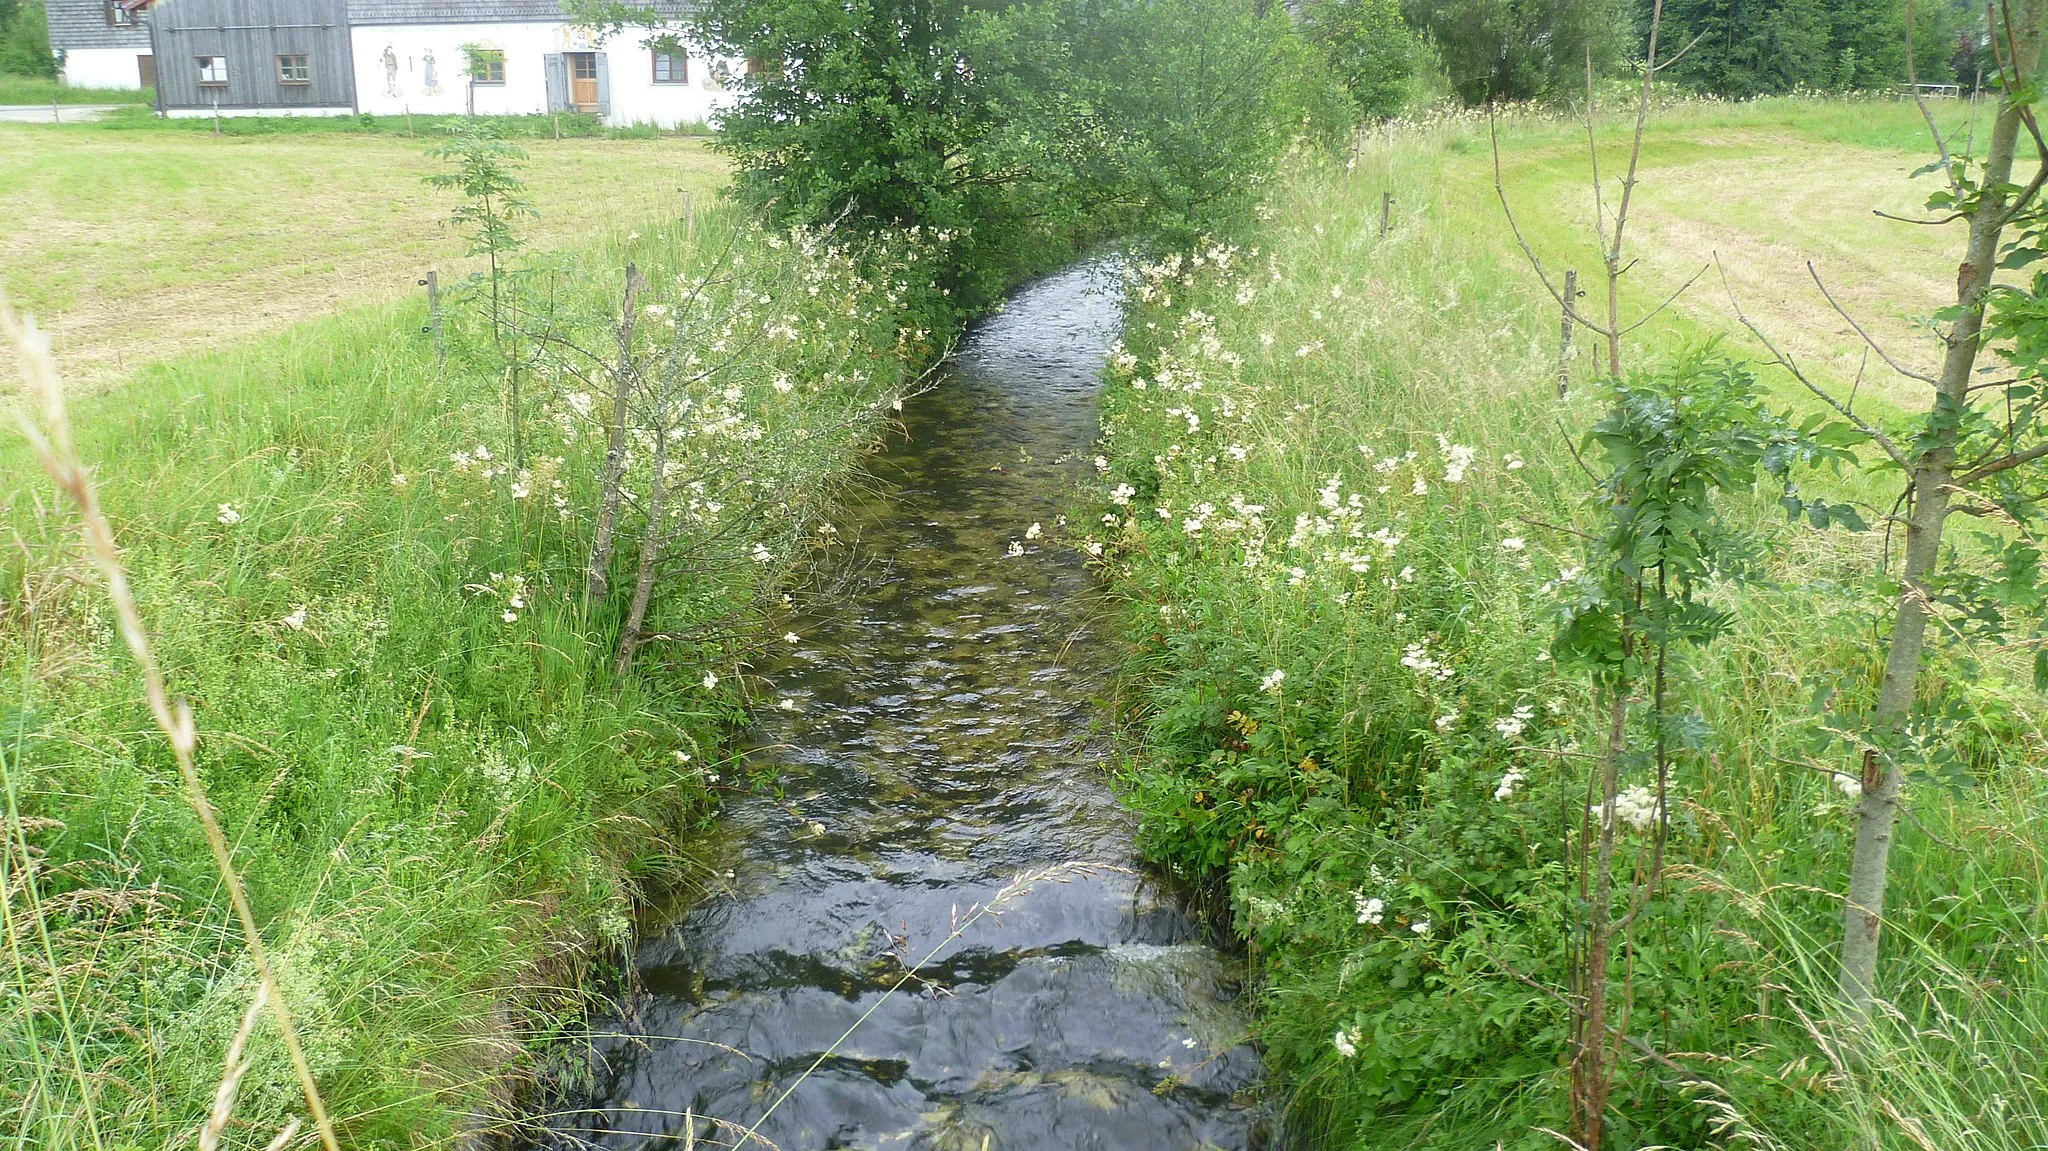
(419, 68)
(103, 67)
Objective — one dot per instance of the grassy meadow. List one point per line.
(1342, 507)
(133, 246)
(444, 795)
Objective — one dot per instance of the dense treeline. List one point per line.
(1392, 54)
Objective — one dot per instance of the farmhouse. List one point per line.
(336, 57)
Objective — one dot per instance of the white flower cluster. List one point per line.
(1635, 806)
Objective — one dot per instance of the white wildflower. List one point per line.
(297, 620)
(229, 515)
(1513, 544)
(710, 680)
(1034, 531)
(1370, 911)
(1272, 681)
(1508, 783)
(1420, 927)
(1849, 785)
(1346, 1042)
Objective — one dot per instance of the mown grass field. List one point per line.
(130, 246)
(1753, 192)
(1360, 726)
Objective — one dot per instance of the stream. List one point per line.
(945, 797)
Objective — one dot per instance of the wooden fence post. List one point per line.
(1386, 213)
(1564, 341)
(432, 282)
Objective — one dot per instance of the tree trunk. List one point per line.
(650, 551)
(1933, 472)
(1590, 1077)
(597, 573)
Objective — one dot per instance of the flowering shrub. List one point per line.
(1347, 542)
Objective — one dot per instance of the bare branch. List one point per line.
(1876, 435)
(1948, 168)
(2002, 463)
(1951, 218)
(1881, 353)
(1668, 301)
(1500, 190)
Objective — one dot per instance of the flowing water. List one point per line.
(944, 794)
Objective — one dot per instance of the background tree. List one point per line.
(25, 39)
(1520, 49)
(1747, 47)
(1369, 50)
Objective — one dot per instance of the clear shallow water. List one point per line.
(944, 740)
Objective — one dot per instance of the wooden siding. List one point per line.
(83, 24)
(251, 34)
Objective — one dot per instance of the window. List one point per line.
(119, 17)
(487, 65)
(213, 71)
(583, 66)
(291, 69)
(671, 69)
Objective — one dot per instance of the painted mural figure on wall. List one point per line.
(430, 74)
(390, 60)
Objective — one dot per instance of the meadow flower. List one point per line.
(1121, 495)
(710, 680)
(1346, 1042)
(229, 515)
(1420, 927)
(1511, 726)
(1508, 783)
(1849, 785)
(1513, 544)
(786, 704)
(1447, 721)
(1458, 461)
(1635, 807)
(1272, 681)
(790, 637)
(1034, 531)
(763, 555)
(398, 479)
(1514, 462)
(297, 620)
(1370, 911)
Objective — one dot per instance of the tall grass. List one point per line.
(444, 805)
(1343, 492)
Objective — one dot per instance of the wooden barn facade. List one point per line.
(237, 56)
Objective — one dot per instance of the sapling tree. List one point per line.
(1674, 442)
(486, 175)
(1975, 450)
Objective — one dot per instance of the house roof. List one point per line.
(462, 11)
(476, 11)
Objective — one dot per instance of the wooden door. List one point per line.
(583, 81)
